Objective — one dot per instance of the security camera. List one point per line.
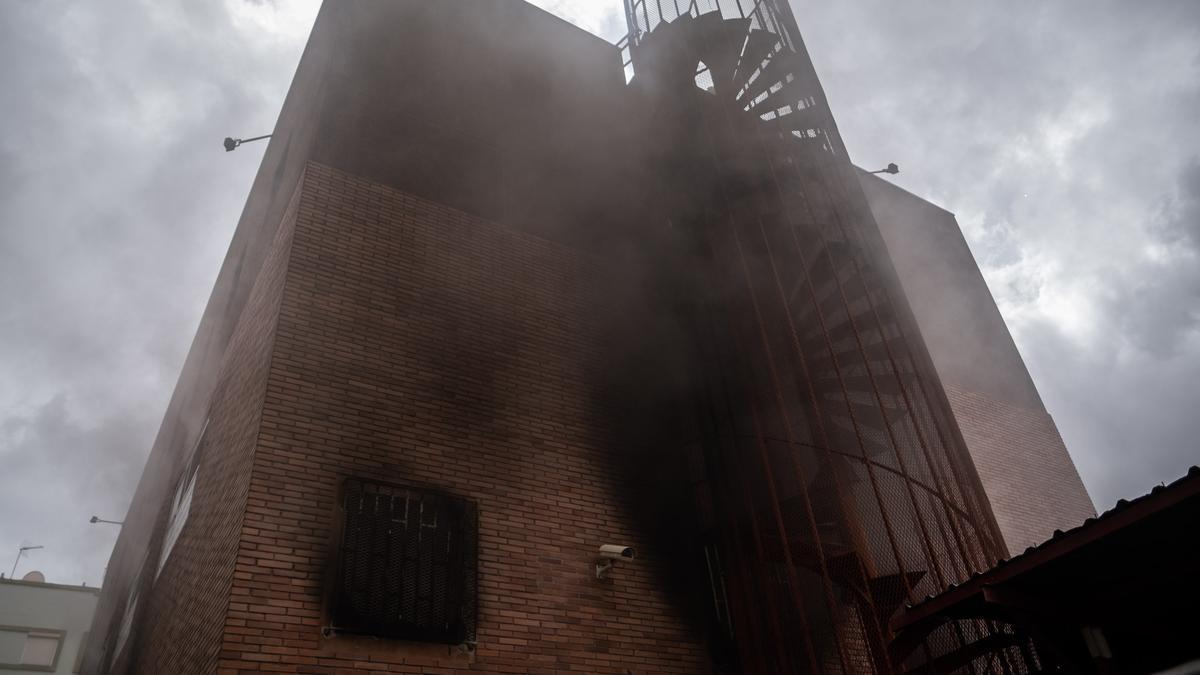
(610, 553)
(617, 552)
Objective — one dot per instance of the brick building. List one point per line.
(490, 307)
(1028, 476)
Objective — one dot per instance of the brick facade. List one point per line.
(1025, 469)
(419, 345)
(470, 293)
(180, 628)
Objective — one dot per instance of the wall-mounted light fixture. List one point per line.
(97, 519)
(232, 144)
(891, 168)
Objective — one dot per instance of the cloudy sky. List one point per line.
(1063, 135)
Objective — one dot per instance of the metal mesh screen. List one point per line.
(838, 487)
(407, 564)
(643, 16)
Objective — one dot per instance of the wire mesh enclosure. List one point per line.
(643, 16)
(836, 484)
(407, 564)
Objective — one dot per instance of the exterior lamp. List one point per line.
(96, 519)
(231, 144)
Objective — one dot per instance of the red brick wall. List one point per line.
(1025, 469)
(417, 344)
(1030, 480)
(179, 627)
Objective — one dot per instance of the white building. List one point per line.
(43, 627)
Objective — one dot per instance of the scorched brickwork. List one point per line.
(480, 265)
(419, 345)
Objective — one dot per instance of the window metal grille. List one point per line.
(408, 561)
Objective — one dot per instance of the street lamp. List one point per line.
(231, 144)
(96, 519)
(21, 552)
(891, 168)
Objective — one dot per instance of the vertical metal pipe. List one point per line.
(908, 402)
(956, 453)
(950, 450)
(736, 468)
(791, 571)
(783, 417)
(833, 357)
(856, 528)
(990, 627)
(834, 360)
(887, 425)
(865, 246)
(918, 514)
(781, 530)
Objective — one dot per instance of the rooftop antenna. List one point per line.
(232, 144)
(21, 552)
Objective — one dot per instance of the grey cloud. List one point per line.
(1159, 311)
(1063, 136)
(59, 472)
(1180, 220)
(1128, 417)
(117, 203)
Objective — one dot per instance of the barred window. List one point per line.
(407, 564)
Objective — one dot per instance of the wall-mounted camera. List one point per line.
(609, 553)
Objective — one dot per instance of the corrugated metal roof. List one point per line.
(1158, 498)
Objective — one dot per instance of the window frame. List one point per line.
(61, 635)
(119, 633)
(467, 607)
(125, 627)
(184, 487)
